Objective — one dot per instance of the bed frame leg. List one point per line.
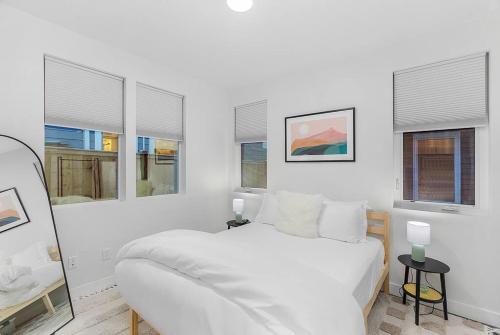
(387, 284)
(134, 322)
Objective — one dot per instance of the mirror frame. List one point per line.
(44, 182)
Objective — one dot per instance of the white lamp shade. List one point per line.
(238, 206)
(418, 233)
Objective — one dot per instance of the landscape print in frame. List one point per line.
(321, 137)
(12, 213)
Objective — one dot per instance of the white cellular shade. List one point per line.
(159, 113)
(80, 97)
(251, 122)
(446, 95)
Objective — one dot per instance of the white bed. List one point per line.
(177, 304)
(44, 276)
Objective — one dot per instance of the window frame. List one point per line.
(238, 171)
(481, 177)
(180, 186)
(119, 168)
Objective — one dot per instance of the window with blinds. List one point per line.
(438, 109)
(83, 121)
(160, 131)
(251, 137)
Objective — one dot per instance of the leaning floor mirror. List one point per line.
(34, 297)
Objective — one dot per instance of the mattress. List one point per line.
(176, 304)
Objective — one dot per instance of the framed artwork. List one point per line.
(321, 137)
(12, 212)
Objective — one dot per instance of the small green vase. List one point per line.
(418, 253)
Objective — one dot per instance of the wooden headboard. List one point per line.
(381, 229)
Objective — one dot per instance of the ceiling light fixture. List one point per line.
(240, 5)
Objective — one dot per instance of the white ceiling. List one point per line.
(205, 39)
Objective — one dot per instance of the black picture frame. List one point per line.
(353, 159)
(18, 198)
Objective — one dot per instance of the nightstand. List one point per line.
(432, 295)
(233, 223)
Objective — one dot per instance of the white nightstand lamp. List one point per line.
(238, 208)
(419, 235)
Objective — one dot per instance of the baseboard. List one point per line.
(92, 288)
(483, 315)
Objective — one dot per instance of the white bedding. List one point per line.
(44, 276)
(159, 293)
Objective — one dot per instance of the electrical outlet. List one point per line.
(106, 254)
(72, 262)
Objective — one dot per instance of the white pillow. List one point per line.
(269, 212)
(34, 256)
(344, 221)
(299, 213)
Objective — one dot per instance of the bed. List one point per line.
(174, 301)
(49, 277)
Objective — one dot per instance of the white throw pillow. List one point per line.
(34, 256)
(344, 221)
(269, 212)
(299, 213)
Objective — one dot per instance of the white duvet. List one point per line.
(284, 295)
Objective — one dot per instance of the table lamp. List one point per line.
(419, 235)
(238, 207)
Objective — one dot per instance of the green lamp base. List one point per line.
(239, 218)
(418, 253)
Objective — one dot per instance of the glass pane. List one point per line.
(157, 167)
(436, 170)
(254, 165)
(81, 165)
(439, 166)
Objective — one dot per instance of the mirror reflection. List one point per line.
(34, 297)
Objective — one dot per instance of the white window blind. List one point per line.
(80, 97)
(251, 122)
(445, 95)
(159, 113)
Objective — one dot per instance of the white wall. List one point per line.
(469, 244)
(84, 229)
(17, 170)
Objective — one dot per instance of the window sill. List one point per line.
(84, 204)
(248, 190)
(439, 208)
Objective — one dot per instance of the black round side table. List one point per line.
(413, 289)
(233, 223)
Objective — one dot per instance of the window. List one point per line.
(251, 142)
(81, 165)
(157, 167)
(254, 165)
(83, 124)
(440, 124)
(160, 120)
(439, 166)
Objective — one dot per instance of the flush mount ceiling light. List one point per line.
(240, 5)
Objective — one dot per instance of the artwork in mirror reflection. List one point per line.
(12, 212)
(34, 297)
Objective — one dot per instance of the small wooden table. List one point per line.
(412, 289)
